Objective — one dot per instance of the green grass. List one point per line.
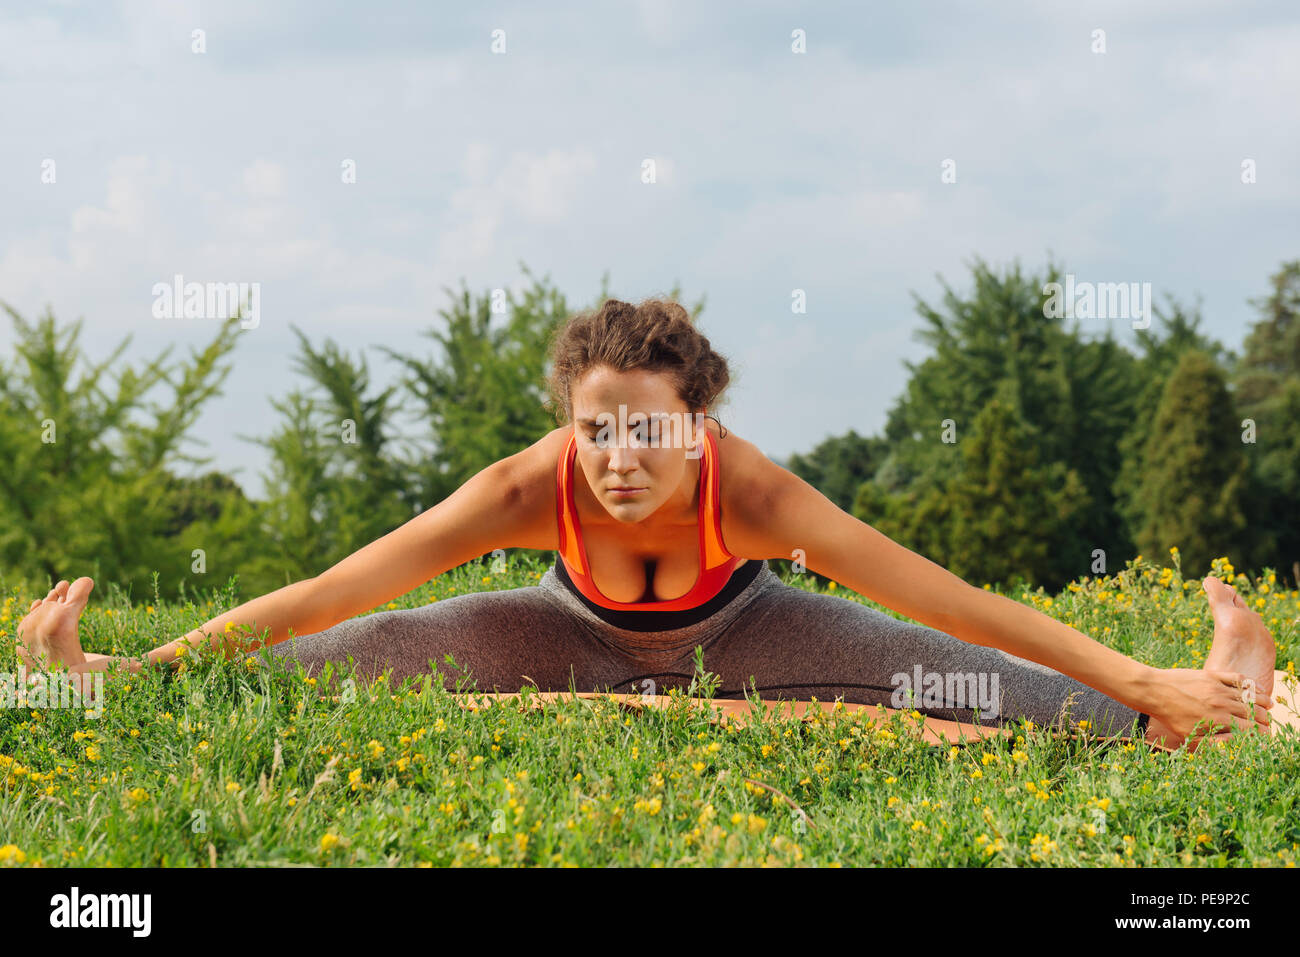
(255, 765)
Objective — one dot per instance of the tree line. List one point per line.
(1022, 447)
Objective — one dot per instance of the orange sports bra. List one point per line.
(716, 563)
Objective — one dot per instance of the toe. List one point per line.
(36, 603)
(79, 591)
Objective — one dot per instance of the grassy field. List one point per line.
(233, 764)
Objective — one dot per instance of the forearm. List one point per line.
(999, 622)
(296, 606)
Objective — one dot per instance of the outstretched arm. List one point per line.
(794, 515)
(497, 507)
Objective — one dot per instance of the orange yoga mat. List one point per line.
(932, 730)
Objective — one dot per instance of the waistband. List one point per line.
(740, 579)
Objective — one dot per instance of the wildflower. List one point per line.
(231, 787)
(328, 842)
(10, 854)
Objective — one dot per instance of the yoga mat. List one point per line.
(936, 731)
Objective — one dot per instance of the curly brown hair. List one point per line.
(657, 335)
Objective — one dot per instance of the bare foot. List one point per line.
(47, 635)
(1243, 644)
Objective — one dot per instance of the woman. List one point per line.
(664, 545)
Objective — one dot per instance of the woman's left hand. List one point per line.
(1185, 697)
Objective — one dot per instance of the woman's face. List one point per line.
(618, 450)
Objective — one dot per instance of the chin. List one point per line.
(629, 513)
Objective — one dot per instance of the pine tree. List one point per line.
(839, 465)
(1193, 469)
(1268, 393)
(1012, 513)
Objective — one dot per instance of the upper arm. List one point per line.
(502, 506)
(796, 520)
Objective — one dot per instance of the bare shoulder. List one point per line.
(532, 476)
(751, 484)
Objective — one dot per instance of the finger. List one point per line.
(1230, 679)
(1238, 708)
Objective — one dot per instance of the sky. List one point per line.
(795, 147)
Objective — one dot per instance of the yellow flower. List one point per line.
(9, 854)
(831, 586)
(328, 842)
(138, 795)
(231, 787)
(92, 753)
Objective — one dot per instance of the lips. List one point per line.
(625, 492)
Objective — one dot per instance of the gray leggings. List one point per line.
(791, 643)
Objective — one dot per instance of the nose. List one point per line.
(622, 459)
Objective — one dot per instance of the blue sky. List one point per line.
(775, 171)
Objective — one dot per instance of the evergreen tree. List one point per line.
(1011, 512)
(1075, 393)
(1193, 469)
(89, 482)
(839, 465)
(1174, 332)
(1268, 393)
